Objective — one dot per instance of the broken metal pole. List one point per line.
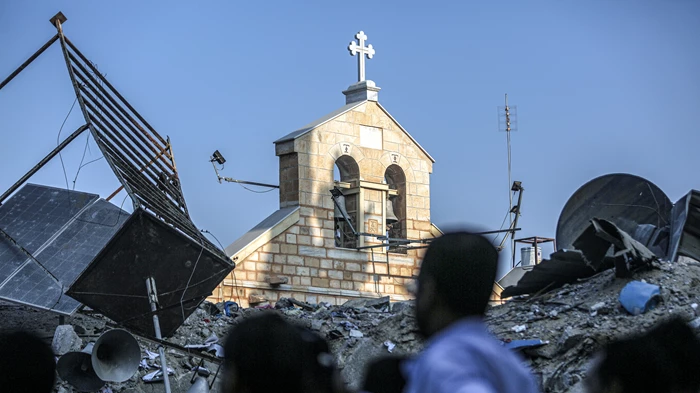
(43, 162)
(252, 183)
(153, 300)
(29, 61)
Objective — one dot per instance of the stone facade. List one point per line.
(376, 159)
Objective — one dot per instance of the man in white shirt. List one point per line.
(454, 286)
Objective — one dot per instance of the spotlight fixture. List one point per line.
(218, 158)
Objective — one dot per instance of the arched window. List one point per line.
(396, 179)
(346, 170)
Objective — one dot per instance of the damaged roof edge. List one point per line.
(266, 230)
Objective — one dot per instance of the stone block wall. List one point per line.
(305, 254)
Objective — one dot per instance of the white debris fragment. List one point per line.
(389, 346)
(694, 306)
(695, 323)
(597, 306)
(150, 355)
(217, 349)
(356, 333)
(519, 328)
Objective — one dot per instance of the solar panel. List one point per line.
(55, 234)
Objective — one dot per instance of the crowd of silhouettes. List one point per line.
(267, 353)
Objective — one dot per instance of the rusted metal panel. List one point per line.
(685, 227)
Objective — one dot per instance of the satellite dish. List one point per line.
(626, 200)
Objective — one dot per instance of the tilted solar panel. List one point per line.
(48, 236)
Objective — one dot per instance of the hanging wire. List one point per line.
(235, 281)
(58, 141)
(81, 165)
(194, 268)
(255, 191)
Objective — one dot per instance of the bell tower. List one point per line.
(354, 206)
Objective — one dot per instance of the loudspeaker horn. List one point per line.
(76, 369)
(200, 385)
(116, 356)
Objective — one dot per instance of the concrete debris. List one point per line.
(380, 303)
(256, 298)
(519, 328)
(66, 340)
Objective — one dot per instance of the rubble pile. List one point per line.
(557, 331)
(576, 319)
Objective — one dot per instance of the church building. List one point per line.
(354, 210)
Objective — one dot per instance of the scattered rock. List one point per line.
(66, 340)
(316, 324)
(256, 298)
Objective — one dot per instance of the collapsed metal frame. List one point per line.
(139, 156)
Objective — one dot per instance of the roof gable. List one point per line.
(340, 111)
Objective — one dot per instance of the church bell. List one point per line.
(390, 216)
(340, 212)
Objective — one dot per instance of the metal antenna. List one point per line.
(507, 122)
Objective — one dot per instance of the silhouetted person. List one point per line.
(665, 359)
(454, 285)
(320, 374)
(265, 353)
(27, 364)
(384, 375)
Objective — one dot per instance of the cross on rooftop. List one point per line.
(361, 50)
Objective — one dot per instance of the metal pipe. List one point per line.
(106, 98)
(116, 93)
(43, 162)
(81, 102)
(153, 300)
(112, 195)
(228, 179)
(29, 60)
(405, 241)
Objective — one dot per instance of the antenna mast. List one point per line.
(508, 129)
(507, 119)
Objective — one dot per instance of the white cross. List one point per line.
(361, 50)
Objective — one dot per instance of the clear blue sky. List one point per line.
(600, 87)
